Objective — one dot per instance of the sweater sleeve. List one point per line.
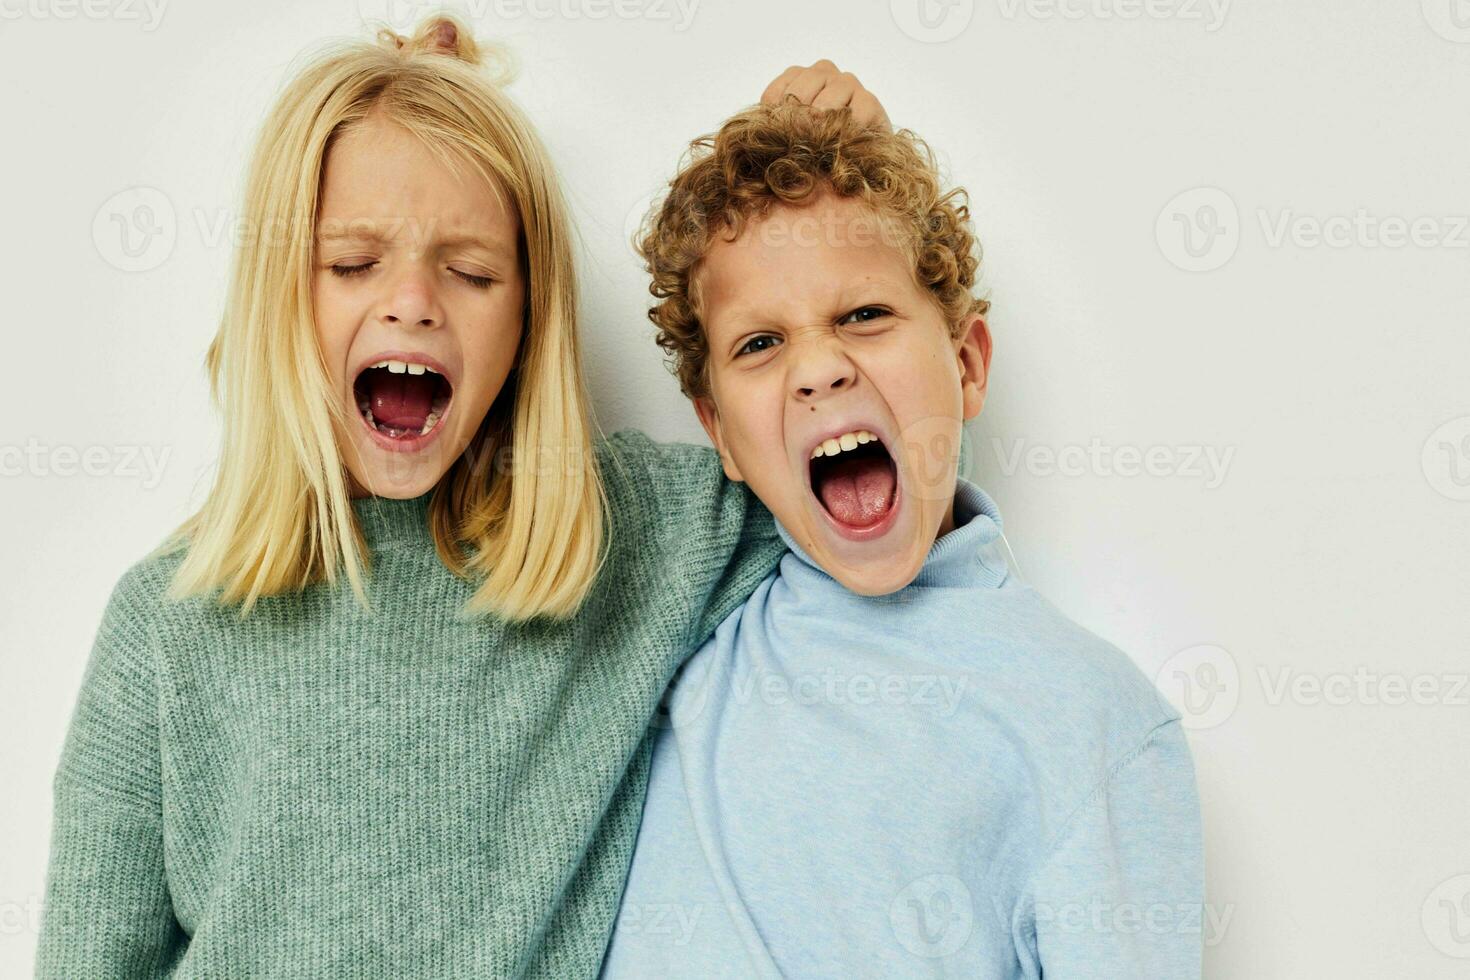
(711, 527)
(1122, 894)
(107, 911)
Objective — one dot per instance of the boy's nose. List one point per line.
(823, 371)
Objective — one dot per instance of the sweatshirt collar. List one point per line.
(965, 557)
(384, 520)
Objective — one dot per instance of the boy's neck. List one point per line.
(947, 525)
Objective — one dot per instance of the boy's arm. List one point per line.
(1122, 894)
(108, 912)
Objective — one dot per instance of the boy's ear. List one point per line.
(709, 417)
(972, 351)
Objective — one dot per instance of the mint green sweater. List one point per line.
(321, 791)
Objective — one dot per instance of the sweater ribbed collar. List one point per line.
(965, 557)
(385, 521)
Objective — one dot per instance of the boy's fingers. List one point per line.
(777, 89)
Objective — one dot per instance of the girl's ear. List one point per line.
(972, 352)
(709, 417)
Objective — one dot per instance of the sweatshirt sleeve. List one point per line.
(1122, 894)
(704, 525)
(107, 911)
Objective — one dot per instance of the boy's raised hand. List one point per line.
(823, 86)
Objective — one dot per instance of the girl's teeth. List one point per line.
(831, 447)
(429, 423)
(404, 367)
(847, 441)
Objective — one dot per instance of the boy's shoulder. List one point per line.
(1080, 693)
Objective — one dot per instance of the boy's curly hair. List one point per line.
(785, 154)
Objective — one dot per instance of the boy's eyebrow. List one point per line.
(849, 296)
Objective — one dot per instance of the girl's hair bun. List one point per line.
(446, 35)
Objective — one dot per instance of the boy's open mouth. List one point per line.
(855, 478)
(400, 399)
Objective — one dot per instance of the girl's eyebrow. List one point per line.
(357, 232)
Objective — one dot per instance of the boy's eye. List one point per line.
(346, 271)
(864, 314)
(757, 344)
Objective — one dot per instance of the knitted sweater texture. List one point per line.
(319, 790)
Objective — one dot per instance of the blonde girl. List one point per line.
(379, 708)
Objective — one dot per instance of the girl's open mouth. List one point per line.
(855, 479)
(402, 401)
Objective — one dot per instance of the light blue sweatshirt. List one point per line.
(954, 780)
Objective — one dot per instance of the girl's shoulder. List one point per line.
(142, 594)
(632, 447)
(652, 478)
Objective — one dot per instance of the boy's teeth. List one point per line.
(397, 367)
(843, 443)
(416, 369)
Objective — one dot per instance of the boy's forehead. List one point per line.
(795, 259)
(826, 220)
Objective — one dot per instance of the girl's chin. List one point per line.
(398, 476)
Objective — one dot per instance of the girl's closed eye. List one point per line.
(347, 270)
(479, 282)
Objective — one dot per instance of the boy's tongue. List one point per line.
(402, 401)
(858, 492)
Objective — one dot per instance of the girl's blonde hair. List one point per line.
(279, 517)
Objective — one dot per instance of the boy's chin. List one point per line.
(875, 578)
(885, 564)
(876, 567)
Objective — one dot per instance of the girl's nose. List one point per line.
(411, 302)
